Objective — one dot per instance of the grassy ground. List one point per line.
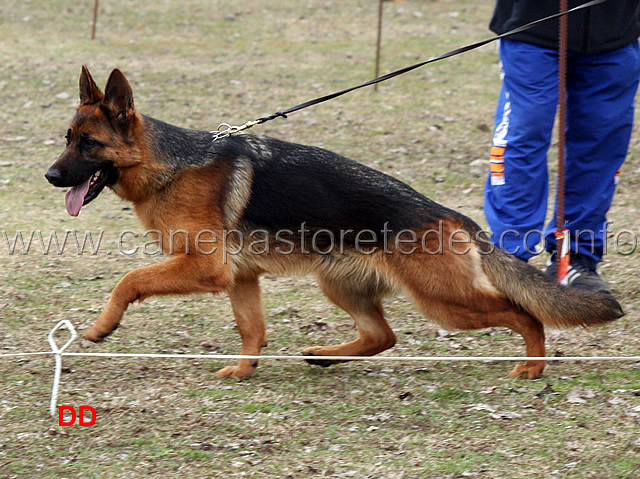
(198, 63)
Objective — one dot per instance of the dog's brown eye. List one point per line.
(87, 141)
(68, 137)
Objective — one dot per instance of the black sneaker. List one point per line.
(582, 273)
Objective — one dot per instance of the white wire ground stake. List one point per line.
(58, 354)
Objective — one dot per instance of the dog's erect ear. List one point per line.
(89, 91)
(118, 96)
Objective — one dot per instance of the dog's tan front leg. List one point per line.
(246, 301)
(179, 275)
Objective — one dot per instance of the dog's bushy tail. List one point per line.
(548, 301)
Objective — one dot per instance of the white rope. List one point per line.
(59, 352)
(361, 358)
(17, 355)
(332, 358)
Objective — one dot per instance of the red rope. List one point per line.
(562, 102)
(561, 232)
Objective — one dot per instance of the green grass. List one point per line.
(198, 63)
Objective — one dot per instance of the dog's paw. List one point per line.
(315, 360)
(530, 370)
(238, 371)
(96, 336)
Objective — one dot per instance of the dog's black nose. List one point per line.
(53, 176)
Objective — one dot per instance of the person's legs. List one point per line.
(517, 187)
(601, 90)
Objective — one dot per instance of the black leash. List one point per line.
(220, 133)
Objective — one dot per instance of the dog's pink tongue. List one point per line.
(74, 199)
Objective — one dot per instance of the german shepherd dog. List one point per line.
(373, 234)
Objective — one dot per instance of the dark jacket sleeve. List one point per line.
(596, 29)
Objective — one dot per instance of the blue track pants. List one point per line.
(600, 106)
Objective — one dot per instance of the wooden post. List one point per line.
(379, 44)
(95, 19)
